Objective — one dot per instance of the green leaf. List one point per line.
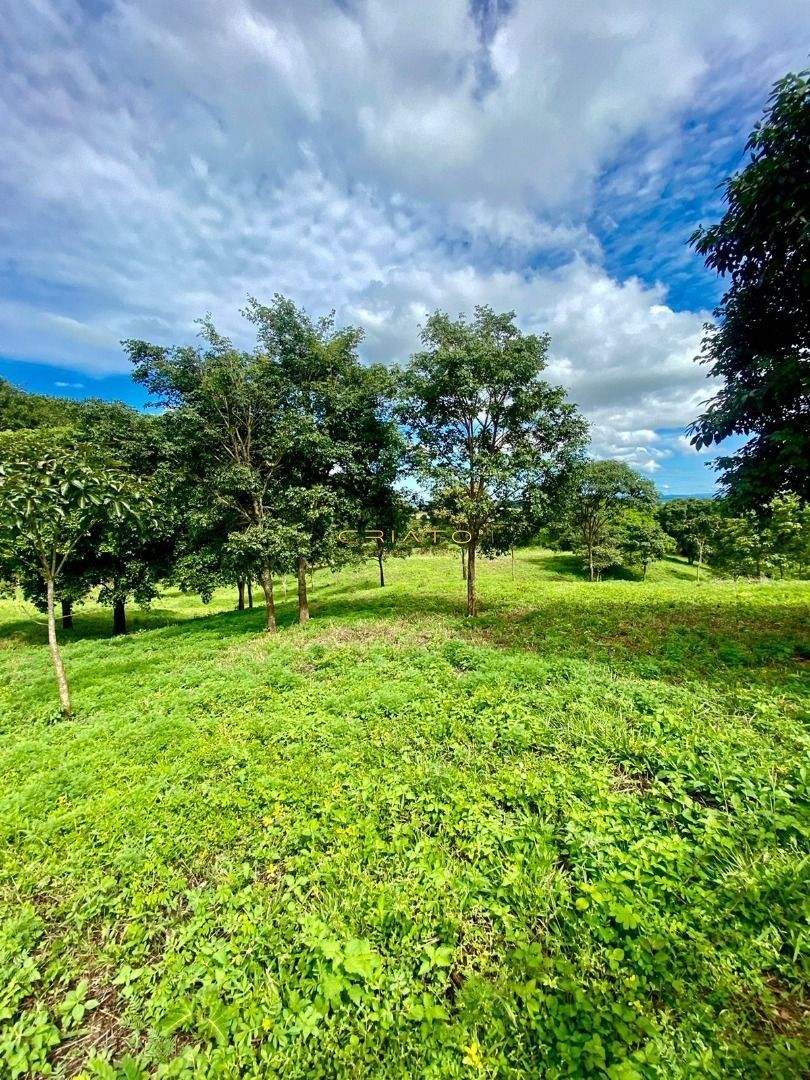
(177, 1017)
(359, 959)
(216, 1023)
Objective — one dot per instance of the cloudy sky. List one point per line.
(162, 159)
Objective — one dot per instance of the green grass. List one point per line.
(567, 839)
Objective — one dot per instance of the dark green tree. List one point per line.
(787, 529)
(20, 409)
(385, 518)
(692, 524)
(347, 448)
(641, 540)
(125, 558)
(759, 345)
(769, 543)
(230, 434)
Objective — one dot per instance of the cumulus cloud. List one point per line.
(161, 160)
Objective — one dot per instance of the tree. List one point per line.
(673, 517)
(603, 491)
(126, 559)
(519, 523)
(739, 546)
(760, 342)
(692, 525)
(771, 542)
(230, 432)
(447, 510)
(481, 419)
(52, 494)
(347, 448)
(788, 534)
(386, 518)
(701, 525)
(204, 557)
(641, 539)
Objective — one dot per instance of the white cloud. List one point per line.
(626, 358)
(160, 160)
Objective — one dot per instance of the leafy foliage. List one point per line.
(55, 493)
(641, 539)
(760, 344)
(599, 497)
(20, 410)
(776, 542)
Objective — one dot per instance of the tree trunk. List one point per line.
(119, 617)
(303, 603)
(463, 562)
(56, 656)
(240, 584)
(267, 587)
(644, 572)
(382, 571)
(590, 564)
(250, 592)
(699, 563)
(67, 614)
(472, 598)
(513, 564)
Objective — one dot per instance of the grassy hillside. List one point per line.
(568, 839)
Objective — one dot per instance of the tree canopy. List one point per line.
(483, 422)
(759, 345)
(53, 494)
(601, 493)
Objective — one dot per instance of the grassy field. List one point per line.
(567, 839)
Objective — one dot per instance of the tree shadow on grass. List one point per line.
(353, 602)
(98, 626)
(565, 566)
(561, 566)
(651, 635)
(92, 626)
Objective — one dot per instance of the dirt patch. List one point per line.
(786, 1011)
(103, 1032)
(631, 783)
(400, 632)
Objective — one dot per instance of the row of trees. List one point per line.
(258, 460)
(773, 543)
(612, 517)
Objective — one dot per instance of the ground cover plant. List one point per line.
(568, 838)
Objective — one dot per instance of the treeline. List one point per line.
(256, 462)
(612, 517)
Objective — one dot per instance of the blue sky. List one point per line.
(163, 160)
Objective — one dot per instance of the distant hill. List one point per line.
(694, 495)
